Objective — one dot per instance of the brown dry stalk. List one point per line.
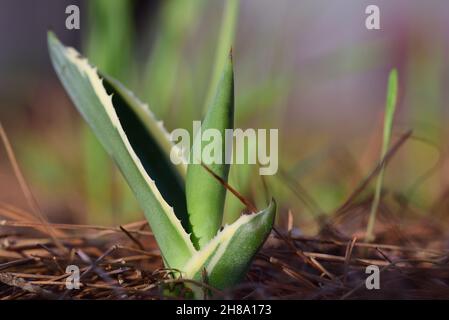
(251, 207)
(27, 190)
(388, 156)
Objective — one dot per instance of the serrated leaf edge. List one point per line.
(97, 84)
(220, 241)
(165, 142)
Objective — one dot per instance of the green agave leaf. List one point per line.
(89, 95)
(227, 257)
(154, 126)
(152, 144)
(205, 194)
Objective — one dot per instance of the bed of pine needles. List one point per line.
(123, 262)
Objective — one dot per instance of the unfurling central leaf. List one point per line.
(205, 194)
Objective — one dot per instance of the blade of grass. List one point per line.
(392, 92)
(239, 177)
(226, 38)
(110, 40)
(161, 75)
(109, 45)
(97, 178)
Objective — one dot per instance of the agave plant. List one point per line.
(182, 203)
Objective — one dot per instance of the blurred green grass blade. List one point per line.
(390, 110)
(205, 195)
(109, 45)
(260, 97)
(97, 178)
(228, 256)
(110, 36)
(152, 145)
(240, 179)
(48, 170)
(87, 92)
(392, 92)
(164, 64)
(225, 41)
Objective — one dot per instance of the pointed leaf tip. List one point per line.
(228, 256)
(92, 100)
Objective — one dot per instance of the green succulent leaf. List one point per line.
(227, 257)
(152, 144)
(205, 194)
(88, 93)
(136, 140)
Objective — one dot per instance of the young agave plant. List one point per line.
(183, 205)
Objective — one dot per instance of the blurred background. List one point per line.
(309, 68)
